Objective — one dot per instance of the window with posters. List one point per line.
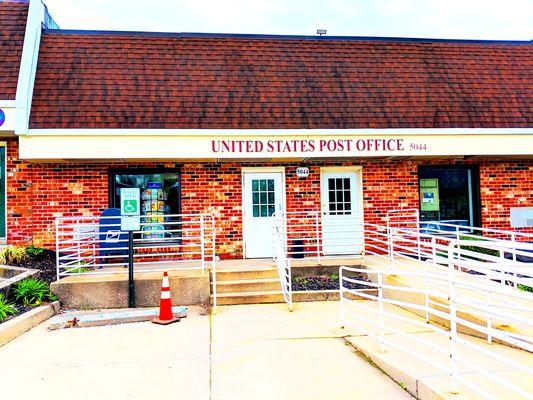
(160, 197)
(449, 194)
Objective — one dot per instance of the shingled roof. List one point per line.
(126, 80)
(13, 15)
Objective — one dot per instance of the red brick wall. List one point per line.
(504, 185)
(39, 192)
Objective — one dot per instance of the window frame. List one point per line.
(476, 188)
(112, 173)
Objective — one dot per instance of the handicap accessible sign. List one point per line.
(130, 208)
(130, 199)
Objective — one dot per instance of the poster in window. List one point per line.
(429, 194)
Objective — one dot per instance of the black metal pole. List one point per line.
(131, 281)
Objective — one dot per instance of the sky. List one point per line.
(463, 19)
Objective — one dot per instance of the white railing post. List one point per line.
(381, 321)
(57, 248)
(214, 266)
(317, 231)
(503, 275)
(289, 288)
(341, 296)
(488, 301)
(389, 235)
(77, 236)
(391, 245)
(453, 317)
(426, 279)
(513, 240)
(202, 241)
(458, 241)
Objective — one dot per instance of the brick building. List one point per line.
(221, 123)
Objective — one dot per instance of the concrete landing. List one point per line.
(87, 291)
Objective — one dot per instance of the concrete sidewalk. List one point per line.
(264, 352)
(242, 352)
(130, 361)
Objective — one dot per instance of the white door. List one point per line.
(341, 213)
(263, 195)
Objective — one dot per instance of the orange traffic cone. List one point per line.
(165, 305)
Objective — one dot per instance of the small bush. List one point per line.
(32, 292)
(6, 309)
(33, 251)
(12, 255)
(478, 249)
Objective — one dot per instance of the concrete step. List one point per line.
(249, 285)
(272, 296)
(236, 275)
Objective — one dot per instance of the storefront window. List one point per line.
(160, 197)
(449, 194)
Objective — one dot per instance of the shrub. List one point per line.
(32, 292)
(12, 255)
(478, 249)
(6, 309)
(33, 251)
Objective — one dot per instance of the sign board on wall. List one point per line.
(130, 209)
(429, 195)
(209, 144)
(302, 172)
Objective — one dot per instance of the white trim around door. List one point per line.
(263, 193)
(342, 210)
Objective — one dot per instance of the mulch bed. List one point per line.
(44, 262)
(327, 282)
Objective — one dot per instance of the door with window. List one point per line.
(341, 213)
(263, 195)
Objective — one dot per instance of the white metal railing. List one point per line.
(283, 263)
(442, 288)
(312, 234)
(317, 234)
(97, 245)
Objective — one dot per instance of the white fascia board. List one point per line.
(279, 132)
(28, 65)
(8, 104)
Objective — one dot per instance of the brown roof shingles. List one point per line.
(142, 81)
(13, 15)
